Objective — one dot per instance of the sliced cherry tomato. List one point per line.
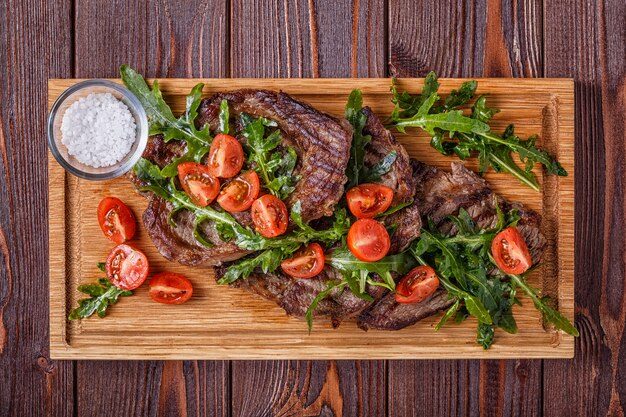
(368, 240)
(416, 286)
(307, 262)
(116, 220)
(170, 288)
(126, 267)
(240, 193)
(198, 183)
(269, 215)
(225, 156)
(510, 251)
(367, 200)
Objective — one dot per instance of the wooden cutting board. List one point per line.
(226, 323)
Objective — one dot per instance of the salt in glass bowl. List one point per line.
(69, 162)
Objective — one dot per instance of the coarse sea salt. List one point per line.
(98, 130)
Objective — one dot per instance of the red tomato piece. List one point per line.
(126, 267)
(367, 200)
(420, 283)
(240, 193)
(510, 251)
(170, 288)
(307, 262)
(368, 240)
(116, 220)
(270, 216)
(198, 183)
(225, 156)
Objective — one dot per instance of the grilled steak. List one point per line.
(321, 142)
(295, 295)
(438, 195)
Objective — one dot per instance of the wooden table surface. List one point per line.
(582, 39)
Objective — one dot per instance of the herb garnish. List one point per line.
(469, 134)
(357, 274)
(467, 271)
(102, 295)
(357, 172)
(274, 167)
(281, 247)
(162, 120)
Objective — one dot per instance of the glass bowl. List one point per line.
(70, 163)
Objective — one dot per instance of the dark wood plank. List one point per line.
(35, 43)
(587, 41)
(308, 388)
(465, 39)
(161, 39)
(308, 39)
(158, 38)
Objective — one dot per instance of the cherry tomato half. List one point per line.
(116, 220)
(240, 193)
(126, 267)
(269, 215)
(420, 283)
(198, 183)
(170, 288)
(368, 240)
(367, 200)
(510, 251)
(307, 262)
(225, 156)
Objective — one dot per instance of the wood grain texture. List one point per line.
(458, 38)
(35, 44)
(232, 323)
(308, 38)
(309, 388)
(449, 388)
(160, 38)
(595, 55)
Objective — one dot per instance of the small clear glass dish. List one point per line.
(83, 89)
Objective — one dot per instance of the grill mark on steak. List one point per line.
(321, 142)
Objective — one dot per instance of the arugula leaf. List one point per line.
(162, 120)
(383, 166)
(102, 295)
(409, 104)
(449, 313)
(356, 170)
(273, 166)
(354, 114)
(551, 315)
(224, 116)
(318, 298)
(268, 261)
(467, 135)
